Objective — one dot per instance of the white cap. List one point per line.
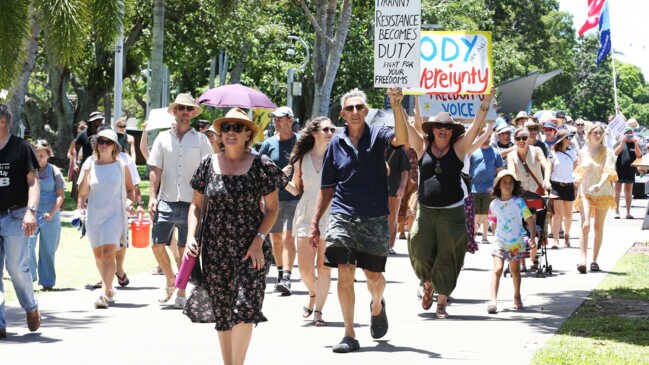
(282, 111)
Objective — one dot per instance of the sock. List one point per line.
(280, 272)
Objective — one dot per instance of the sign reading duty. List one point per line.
(397, 28)
(455, 62)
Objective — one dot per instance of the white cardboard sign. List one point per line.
(397, 28)
(462, 107)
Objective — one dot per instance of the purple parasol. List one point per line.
(235, 95)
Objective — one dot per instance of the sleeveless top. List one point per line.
(306, 206)
(122, 138)
(439, 179)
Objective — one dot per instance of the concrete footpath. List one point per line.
(137, 330)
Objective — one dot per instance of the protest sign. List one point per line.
(461, 107)
(397, 28)
(616, 126)
(455, 62)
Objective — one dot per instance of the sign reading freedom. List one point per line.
(397, 28)
(455, 62)
(461, 107)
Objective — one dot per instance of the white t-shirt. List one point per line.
(563, 166)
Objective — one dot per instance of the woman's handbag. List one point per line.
(199, 305)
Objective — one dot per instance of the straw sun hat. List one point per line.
(235, 115)
(185, 99)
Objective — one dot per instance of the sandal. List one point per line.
(427, 296)
(169, 291)
(518, 304)
(317, 319)
(441, 311)
(492, 309)
(306, 311)
(629, 216)
(594, 267)
(566, 241)
(123, 280)
(581, 269)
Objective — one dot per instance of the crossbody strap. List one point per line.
(527, 168)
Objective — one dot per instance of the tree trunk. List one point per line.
(62, 109)
(18, 92)
(157, 53)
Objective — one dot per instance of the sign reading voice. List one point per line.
(396, 43)
(455, 63)
(459, 106)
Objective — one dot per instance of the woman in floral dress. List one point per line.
(235, 250)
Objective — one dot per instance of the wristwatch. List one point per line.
(261, 235)
(32, 208)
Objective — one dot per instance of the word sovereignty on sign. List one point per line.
(453, 81)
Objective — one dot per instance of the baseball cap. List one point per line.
(282, 111)
(550, 124)
(560, 114)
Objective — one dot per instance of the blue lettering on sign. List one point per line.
(432, 44)
(447, 51)
(445, 42)
(462, 110)
(470, 46)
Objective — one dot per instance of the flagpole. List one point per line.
(617, 107)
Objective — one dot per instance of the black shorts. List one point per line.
(564, 191)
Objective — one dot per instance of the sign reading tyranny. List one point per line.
(396, 43)
(455, 63)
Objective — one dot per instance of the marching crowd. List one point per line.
(330, 197)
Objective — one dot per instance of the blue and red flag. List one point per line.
(604, 34)
(594, 10)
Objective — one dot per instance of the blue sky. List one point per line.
(629, 28)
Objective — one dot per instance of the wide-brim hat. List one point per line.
(520, 115)
(187, 100)
(109, 134)
(503, 128)
(632, 123)
(95, 116)
(443, 118)
(235, 115)
(501, 174)
(562, 134)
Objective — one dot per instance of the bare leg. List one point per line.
(585, 230)
(481, 220)
(276, 240)
(600, 215)
(119, 261)
(105, 260)
(173, 246)
(376, 287)
(288, 257)
(305, 261)
(495, 278)
(346, 296)
(567, 220)
(556, 221)
(241, 335)
(181, 292)
(514, 266)
(628, 195)
(162, 257)
(225, 342)
(618, 189)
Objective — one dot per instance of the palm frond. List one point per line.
(107, 19)
(66, 28)
(14, 28)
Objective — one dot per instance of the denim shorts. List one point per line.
(360, 241)
(285, 216)
(170, 215)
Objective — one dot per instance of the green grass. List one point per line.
(595, 335)
(75, 264)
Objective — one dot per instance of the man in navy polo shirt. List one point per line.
(354, 181)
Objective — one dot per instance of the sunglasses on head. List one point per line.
(181, 108)
(351, 108)
(104, 141)
(235, 127)
(521, 138)
(328, 130)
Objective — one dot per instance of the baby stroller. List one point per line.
(541, 267)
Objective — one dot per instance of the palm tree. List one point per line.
(156, 53)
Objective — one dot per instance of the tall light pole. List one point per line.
(291, 71)
(117, 85)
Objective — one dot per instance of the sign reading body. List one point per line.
(455, 62)
(461, 107)
(396, 43)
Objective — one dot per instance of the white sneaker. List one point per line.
(180, 302)
(101, 302)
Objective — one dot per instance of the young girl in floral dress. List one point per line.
(509, 211)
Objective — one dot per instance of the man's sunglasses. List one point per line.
(104, 141)
(521, 138)
(358, 107)
(121, 126)
(181, 108)
(329, 130)
(235, 127)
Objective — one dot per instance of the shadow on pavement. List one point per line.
(128, 305)
(29, 338)
(385, 346)
(132, 288)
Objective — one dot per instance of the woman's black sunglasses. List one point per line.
(235, 127)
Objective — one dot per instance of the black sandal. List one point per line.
(594, 267)
(306, 311)
(318, 322)
(581, 269)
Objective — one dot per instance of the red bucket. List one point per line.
(140, 231)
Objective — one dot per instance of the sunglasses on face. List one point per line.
(548, 130)
(357, 107)
(442, 126)
(121, 126)
(328, 130)
(235, 127)
(579, 125)
(181, 108)
(533, 129)
(521, 138)
(104, 141)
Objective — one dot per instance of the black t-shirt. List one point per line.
(398, 162)
(543, 147)
(83, 141)
(17, 159)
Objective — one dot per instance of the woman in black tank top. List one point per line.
(438, 237)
